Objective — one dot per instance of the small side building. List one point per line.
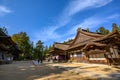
(8, 49)
(58, 53)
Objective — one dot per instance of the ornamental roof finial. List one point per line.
(79, 29)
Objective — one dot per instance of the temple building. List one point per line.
(92, 48)
(59, 52)
(8, 49)
(82, 38)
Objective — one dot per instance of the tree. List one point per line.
(4, 29)
(39, 50)
(23, 42)
(102, 30)
(31, 50)
(46, 51)
(114, 27)
(119, 29)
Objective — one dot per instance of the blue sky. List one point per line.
(57, 20)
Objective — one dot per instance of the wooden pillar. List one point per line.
(65, 55)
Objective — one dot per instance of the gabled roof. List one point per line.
(61, 46)
(91, 44)
(4, 38)
(83, 38)
(110, 35)
(68, 42)
(5, 41)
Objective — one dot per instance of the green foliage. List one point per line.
(23, 42)
(46, 50)
(39, 50)
(4, 29)
(28, 51)
(115, 27)
(119, 29)
(102, 30)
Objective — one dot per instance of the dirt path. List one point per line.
(25, 70)
(90, 71)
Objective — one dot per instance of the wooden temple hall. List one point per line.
(8, 49)
(89, 47)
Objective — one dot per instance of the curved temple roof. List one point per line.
(93, 44)
(61, 46)
(83, 37)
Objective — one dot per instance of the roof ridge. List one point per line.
(82, 31)
(111, 33)
(91, 33)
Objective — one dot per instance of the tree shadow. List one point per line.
(27, 71)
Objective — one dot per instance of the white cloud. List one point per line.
(92, 22)
(114, 16)
(76, 6)
(70, 10)
(4, 10)
(46, 34)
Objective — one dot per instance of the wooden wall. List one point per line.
(78, 57)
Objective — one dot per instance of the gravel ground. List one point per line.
(26, 70)
(91, 71)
